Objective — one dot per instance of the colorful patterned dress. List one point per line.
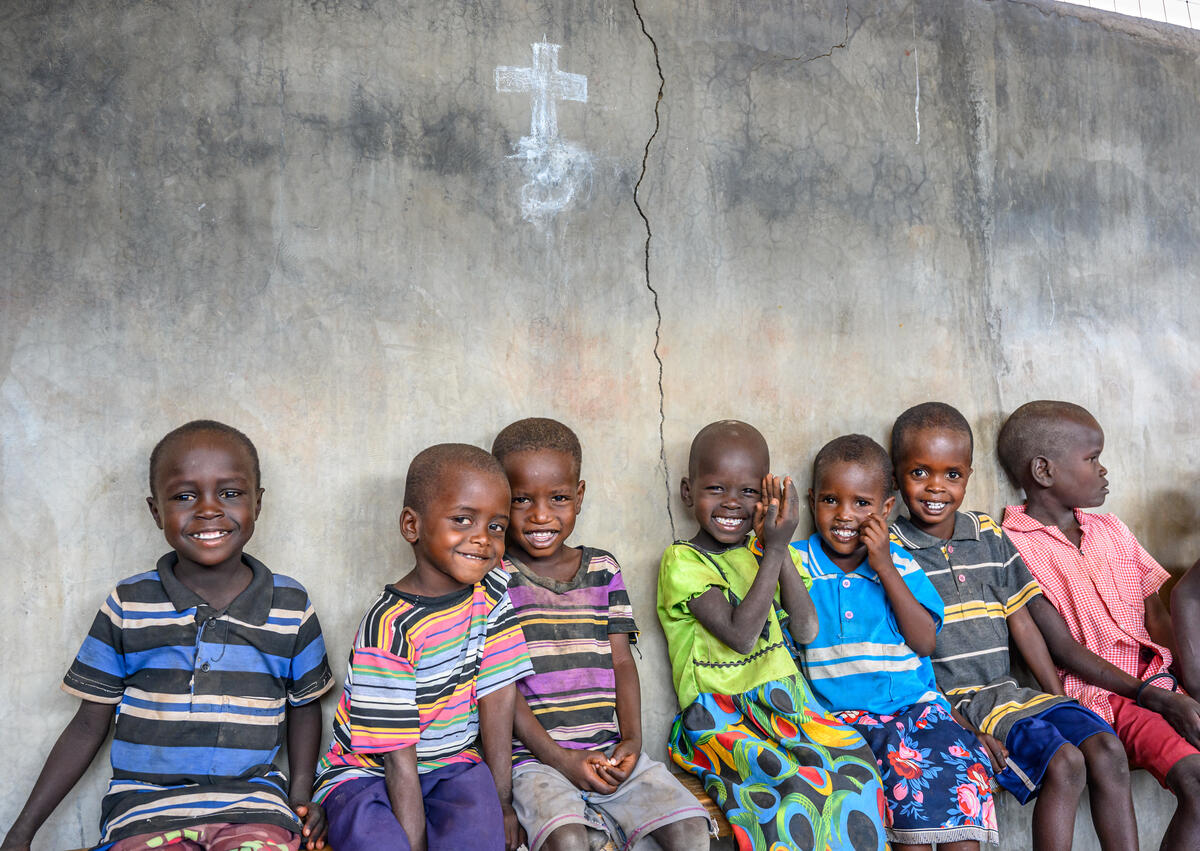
(785, 773)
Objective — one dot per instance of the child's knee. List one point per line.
(569, 837)
(683, 835)
(1106, 759)
(1184, 780)
(1067, 768)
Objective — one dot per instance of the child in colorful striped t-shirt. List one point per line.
(431, 672)
(578, 763)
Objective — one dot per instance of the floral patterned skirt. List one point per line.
(936, 775)
(785, 773)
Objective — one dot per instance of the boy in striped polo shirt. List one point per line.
(578, 763)
(431, 677)
(1041, 743)
(203, 659)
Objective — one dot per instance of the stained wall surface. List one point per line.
(333, 225)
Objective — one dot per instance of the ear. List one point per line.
(888, 504)
(579, 495)
(685, 491)
(150, 501)
(812, 502)
(1041, 471)
(258, 502)
(410, 525)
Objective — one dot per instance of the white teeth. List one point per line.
(209, 536)
(844, 534)
(729, 522)
(541, 537)
(935, 506)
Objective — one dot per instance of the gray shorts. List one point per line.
(649, 798)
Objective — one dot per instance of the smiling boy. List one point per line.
(432, 673)
(202, 659)
(1041, 741)
(1102, 617)
(579, 762)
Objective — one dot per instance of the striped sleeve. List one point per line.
(505, 656)
(383, 712)
(99, 670)
(620, 610)
(918, 583)
(1018, 586)
(309, 676)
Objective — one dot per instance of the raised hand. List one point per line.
(874, 533)
(779, 510)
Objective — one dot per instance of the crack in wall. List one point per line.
(827, 54)
(662, 439)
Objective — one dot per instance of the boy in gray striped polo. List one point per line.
(1041, 742)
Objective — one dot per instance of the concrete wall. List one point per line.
(305, 218)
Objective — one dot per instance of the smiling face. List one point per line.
(206, 499)
(1079, 479)
(724, 487)
(843, 495)
(547, 495)
(459, 536)
(932, 469)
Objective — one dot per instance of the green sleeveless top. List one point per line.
(701, 662)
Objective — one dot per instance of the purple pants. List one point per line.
(462, 810)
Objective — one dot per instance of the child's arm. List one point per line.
(496, 731)
(802, 614)
(579, 766)
(1032, 647)
(303, 743)
(914, 620)
(1185, 603)
(404, 793)
(994, 747)
(739, 626)
(629, 710)
(68, 760)
(1181, 711)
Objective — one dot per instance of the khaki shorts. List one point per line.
(649, 798)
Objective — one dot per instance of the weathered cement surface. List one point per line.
(303, 218)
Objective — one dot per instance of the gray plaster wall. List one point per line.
(304, 218)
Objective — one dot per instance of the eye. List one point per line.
(183, 497)
(755, 492)
(231, 493)
(560, 498)
(520, 500)
(862, 503)
(714, 489)
(461, 520)
(828, 500)
(918, 473)
(954, 474)
(496, 528)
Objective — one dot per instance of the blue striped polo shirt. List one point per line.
(200, 698)
(859, 659)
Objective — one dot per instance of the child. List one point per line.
(1036, 739)
(785, 773)
(202, 660)
(1094, 572)
(869, 663)
(579, 761)
(431, 671)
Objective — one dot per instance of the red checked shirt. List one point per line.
(1100, 588)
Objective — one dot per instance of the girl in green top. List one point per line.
(785, 773)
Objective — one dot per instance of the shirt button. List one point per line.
(849, 616)
(845, 583)
(962, 578)
(204, 667)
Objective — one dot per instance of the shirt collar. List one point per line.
(251, 606)
(1018, 520)
(966, 528)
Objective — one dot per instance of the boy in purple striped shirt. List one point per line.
(578, 761)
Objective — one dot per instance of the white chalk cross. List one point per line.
(547, 85)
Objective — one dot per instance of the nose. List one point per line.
(207, 505)
(842, 512)
(1103, 471)
(540, 512)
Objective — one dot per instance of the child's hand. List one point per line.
(996, 750)
(874, 533)
(312, 817)
(514, 834)
(587, 770)
(1181, 711)
(624, 757)
(777, 513)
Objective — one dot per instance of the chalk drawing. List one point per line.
(556, 168)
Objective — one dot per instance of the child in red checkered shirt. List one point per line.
(1104, 622)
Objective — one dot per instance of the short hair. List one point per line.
(537, 433)
(1035, 428)
(855, 449)
(725, 429)
(928, 415)
(202, 427)
(433, 463)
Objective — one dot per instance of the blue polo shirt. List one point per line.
(859, 659)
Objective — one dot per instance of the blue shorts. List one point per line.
(1032, 742)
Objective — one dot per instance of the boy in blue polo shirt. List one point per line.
(202, 659)
(869, 664)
